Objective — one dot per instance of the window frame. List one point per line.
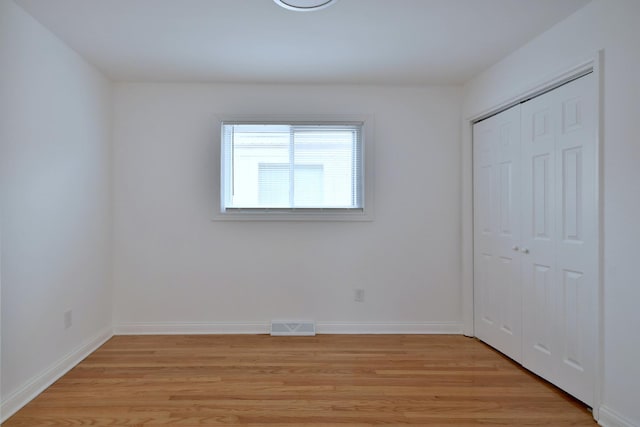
(365, 213)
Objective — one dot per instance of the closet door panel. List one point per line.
(485, 266)
(576, 249)
(539, 123)
(497, 232)
(560, 236)
(484, 231)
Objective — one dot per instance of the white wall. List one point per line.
(613, 26)
(174, 265)
(55, 203)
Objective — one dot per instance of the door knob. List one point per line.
(515, 248)
(524, 250)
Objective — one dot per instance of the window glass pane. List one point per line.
(273, 185)
(333, 150)
(309, 186)
(255, 148)
(291, 166)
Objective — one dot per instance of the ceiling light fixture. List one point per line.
(304, 5)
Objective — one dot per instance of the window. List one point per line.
(278, 170)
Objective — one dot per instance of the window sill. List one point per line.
(315, 215)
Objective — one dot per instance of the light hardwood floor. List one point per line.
(258, 380)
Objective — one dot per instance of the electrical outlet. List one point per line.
(358, 295)
(68, 319)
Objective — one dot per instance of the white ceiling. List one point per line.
(353, 41)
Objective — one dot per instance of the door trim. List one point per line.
(594, 65)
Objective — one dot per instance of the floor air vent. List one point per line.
(292, 328)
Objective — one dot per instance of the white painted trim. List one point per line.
(389, 328)
(176, 328)
(36, 385)
(367, 213)
(466, 228)
(611, 418)
(598, 68)
(594, 64)
(548, 83)
(191, 328)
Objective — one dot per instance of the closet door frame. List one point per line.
(592, 65)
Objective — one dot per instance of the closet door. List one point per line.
(559, 236)
(497, 290)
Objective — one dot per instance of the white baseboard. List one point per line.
(389, 328)
(607, 417)
(190, 328)
(40, 382)
(174, 328)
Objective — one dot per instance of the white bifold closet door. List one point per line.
(559, 223)
(497, 283)
(536, 235)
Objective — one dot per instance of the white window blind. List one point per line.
(292, 166)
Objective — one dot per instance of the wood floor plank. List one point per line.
(326, 380)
